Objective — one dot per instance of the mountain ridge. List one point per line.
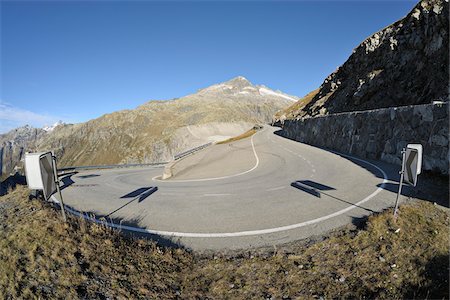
(405, 63)
(157, 129)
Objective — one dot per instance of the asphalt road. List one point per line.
(261, 191)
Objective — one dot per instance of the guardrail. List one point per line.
(63, 170)
(185, 153)
(176, 157)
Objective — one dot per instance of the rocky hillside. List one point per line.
(403, 64)
(13, 146)
(158, 129)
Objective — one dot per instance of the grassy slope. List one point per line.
(40, 256)
(142, 134)
(239, 137)
(292, 110)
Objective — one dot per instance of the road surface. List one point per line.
(260, 191)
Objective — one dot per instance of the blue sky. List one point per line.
(77, 60)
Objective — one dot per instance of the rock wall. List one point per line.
(405, 63)
(381, 133)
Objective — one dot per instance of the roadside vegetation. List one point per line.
(293, 109)
(239, 137)
(41, 257)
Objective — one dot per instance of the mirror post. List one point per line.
(400, 184)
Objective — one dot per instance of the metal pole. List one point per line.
(58, 188)
(400, 184)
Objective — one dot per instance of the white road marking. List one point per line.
(242, 233)
(156, 178)
(311, 165)
(286, 149)
(276, 188)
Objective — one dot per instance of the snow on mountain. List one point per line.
(265, 91)
(52, 127)
(240, 86)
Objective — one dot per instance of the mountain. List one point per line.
(52, 127)
(405, 63)
(240, 87)
(13, 146)
(157, 130)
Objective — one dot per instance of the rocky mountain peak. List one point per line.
(405, 63)
(240, 87)
(23, 132)
(238, 82)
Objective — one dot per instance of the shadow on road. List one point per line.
(130, 227)
(124, 227)
(317, 189)
(430, 187)
(391, 170)
(67, 180)
(393, 187)
(306, 189)
(140, 194)
(88, 176)
(316, 185)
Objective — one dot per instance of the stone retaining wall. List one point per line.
(380, 133)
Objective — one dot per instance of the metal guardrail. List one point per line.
(176, 157)
(185, 153)
(109, 166)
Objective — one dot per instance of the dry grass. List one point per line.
(239, 137)
(374, 263)
(41, 257)
(292, 110)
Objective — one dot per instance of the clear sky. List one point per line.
(77, 60)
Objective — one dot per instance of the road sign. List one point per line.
(410, 172)
(411, 167)
(419, 149)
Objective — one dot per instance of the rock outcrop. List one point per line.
(406, 63)
(13, 146)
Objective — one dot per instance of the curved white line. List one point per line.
(217, 178)
(242, 233)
